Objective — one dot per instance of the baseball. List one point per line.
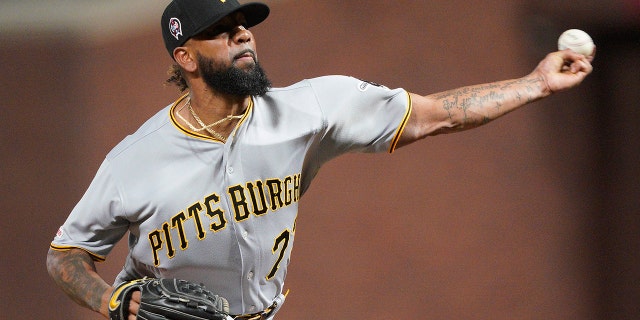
(576, 40)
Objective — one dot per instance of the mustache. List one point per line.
(244, 52)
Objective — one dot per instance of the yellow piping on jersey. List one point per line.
(403, 124)
(244, 116)
(95, 257)
(175, 123)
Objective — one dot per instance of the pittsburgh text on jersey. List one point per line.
(253, 198)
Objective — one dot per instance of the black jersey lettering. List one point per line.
(217, 215)
(239, 202)
(155, 240)
(177, 222)
(194, 213)
(259, 201)
(275, 193)
(171, 251)
(265, 196)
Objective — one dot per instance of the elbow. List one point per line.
(434, 128)
(451, 125)
(443, 127)
(53, 263)
(416, 132)
(56, 261)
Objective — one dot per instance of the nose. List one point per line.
(241, 35)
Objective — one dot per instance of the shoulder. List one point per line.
(344, 83)
(145, 132)
(336, 81)
(325, 87)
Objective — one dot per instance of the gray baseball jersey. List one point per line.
(224, 214)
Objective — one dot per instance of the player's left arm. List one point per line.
(74, 271)
(469, 107)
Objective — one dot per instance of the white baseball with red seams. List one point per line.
(576, 40)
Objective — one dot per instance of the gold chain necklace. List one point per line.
(203, 126)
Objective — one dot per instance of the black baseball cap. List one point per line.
(183, 19)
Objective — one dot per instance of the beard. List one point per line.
(233, 80)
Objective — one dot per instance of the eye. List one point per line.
(217, 30)
(212, 32)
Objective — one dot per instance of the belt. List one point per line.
(256, 316)
(264, 314)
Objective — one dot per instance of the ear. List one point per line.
(185, 58)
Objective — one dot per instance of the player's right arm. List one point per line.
(469, 107)
(75, 272)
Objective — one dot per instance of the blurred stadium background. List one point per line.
(534, 216)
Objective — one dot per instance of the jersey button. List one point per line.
(250, 275)
(245, 235)
(230, 170)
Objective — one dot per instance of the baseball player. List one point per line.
(207, 190)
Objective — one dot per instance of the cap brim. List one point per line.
(254, 13)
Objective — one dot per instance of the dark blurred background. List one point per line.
(534, 216)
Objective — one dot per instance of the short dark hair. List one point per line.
(176, 78)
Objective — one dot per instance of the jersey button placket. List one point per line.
(248, 252)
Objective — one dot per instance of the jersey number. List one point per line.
(283, 239)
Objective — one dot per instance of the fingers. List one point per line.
(568, 54)
(582, 65)
(564, 69)
(578, 62)
(574, 63)
(134, 305)
(135, 297)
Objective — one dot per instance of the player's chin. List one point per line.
(245, 63)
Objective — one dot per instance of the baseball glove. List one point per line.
(168, 299)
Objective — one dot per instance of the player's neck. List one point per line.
(214, 105)
(211, 114)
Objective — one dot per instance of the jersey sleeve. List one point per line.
(360, 116)
(96, 223)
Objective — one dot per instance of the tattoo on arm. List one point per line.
(75, 272)
(482, 103)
